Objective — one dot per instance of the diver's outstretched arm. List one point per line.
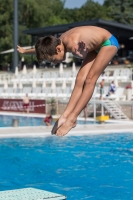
(27, 51)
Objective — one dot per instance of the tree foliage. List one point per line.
(38, 13)
(120, 10)
(31, 14)
(90, 10)
(6, 26)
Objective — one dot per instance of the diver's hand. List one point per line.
(26, 51)
(81, 49)
(20, 49)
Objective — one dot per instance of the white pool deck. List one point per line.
(79, 130)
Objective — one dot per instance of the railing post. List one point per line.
(102, 108)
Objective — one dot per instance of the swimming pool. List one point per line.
(95, 167)
(6, 121)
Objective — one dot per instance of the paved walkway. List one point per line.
(44, 131)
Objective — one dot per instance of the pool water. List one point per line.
(96, 167)
(7, 120)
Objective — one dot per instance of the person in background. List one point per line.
(112, 88)
(48, 120)
(26, 103)
(101, 89)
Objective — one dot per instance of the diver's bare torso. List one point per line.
(92, 36)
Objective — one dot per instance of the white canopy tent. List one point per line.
(5, 85)
(74, 69)
(61, 70)
(16, 71)
(20, 86)
(34, 71)
(24, 71)
(53, 85)
(34, 83)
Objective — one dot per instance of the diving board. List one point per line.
(30, 194)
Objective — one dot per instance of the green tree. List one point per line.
(90, 10)
(120, 10)
(6, 28)
(38, 13)
(32, 14)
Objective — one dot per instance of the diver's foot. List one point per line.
(58, 123)
(65, 128)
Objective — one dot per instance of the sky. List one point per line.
(78, 3)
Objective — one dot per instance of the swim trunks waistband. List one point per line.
(112, 41)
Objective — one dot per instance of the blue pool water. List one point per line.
(97, 167)
(6, 121)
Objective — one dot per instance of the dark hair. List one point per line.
(46, 46)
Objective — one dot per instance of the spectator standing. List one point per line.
(112, 88)
(26, 103)
(48, 120)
